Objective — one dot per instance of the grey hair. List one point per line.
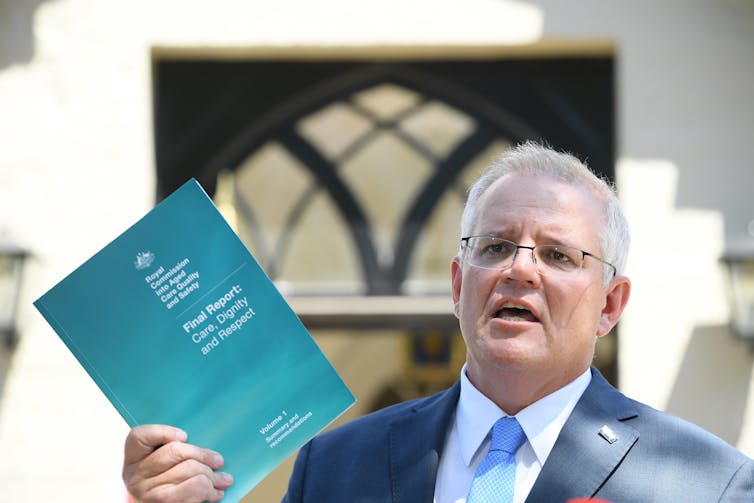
(532, 158)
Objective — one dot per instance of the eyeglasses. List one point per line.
(489, 252)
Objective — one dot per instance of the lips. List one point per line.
(516, 311)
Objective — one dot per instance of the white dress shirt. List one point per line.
(468, 440)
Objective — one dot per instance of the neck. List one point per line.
(514, 390)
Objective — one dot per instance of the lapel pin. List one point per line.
(608, 434)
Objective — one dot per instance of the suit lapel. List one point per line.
(590, 446)
(416, 442)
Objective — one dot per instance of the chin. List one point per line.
(515, 354)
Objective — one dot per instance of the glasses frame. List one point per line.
(584, 254)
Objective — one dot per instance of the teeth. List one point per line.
(514, 311)
(513, 305)
(515, 318)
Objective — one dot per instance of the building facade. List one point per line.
(338, 138)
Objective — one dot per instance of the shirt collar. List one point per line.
(541, 421)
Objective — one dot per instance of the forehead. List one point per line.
(540, 204)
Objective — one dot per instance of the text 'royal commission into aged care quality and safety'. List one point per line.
(215, 320)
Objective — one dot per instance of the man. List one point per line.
(538, 278)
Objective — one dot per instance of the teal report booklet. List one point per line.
(177, 324)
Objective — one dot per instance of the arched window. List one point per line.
(347, 178)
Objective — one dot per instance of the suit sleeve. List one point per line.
(295, 492)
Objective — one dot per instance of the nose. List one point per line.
(524, 266)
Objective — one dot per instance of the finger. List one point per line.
(189, 470)
(218, 482)
(175, 453)
(194, 490)
(144, 439)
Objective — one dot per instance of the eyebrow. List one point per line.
(549, 239)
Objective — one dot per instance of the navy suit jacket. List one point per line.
(392, 455)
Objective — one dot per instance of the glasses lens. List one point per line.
(490, 253)
(558, 258)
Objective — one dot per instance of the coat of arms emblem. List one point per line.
(144, 260)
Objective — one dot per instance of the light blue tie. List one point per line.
(495, 476)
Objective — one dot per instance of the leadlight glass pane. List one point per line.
(429, 271)
(225, 198)
(269, 185)
(333, 129)
(430, 263)
(387, 101)
(438, 126)
(385, 177)
(320, 254)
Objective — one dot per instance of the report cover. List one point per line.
(178, 324)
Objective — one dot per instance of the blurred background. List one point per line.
(338, 138)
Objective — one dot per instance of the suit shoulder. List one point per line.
(372, 427)
(676, 433)
(660, 431)
(379, 420)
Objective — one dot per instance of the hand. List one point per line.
(160, 467)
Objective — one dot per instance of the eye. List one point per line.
(496, 248)
(560, 256)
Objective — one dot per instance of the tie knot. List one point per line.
(507, 435)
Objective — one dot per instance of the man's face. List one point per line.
(554, 341)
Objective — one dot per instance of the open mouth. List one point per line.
(512, 312)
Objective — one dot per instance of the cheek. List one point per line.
(475, 296)
(476, 286)
(575, 308)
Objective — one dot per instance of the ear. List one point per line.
(616, 298)
(456, 273)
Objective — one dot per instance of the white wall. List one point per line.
(76, 169)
